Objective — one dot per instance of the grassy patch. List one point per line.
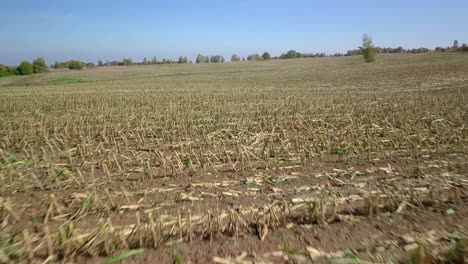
(66, 80)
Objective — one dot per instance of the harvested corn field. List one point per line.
(284, 161)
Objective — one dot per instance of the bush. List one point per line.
(368, 50)
(463, 48)
(234, 57)
(266, 56)
(25, 68)
(4, 73)
(39, 66)
(75, 65)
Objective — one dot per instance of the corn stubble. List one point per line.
(105, 167)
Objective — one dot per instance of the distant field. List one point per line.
(283, 160)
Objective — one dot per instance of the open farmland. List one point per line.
(276, 161)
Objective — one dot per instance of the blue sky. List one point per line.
(95, 30)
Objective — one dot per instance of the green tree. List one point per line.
(200, 58)
(25, 68)
(292, 54)
(253, 57)
(4, 71)
(127, 62)
(217, 59)
(39, 65)
(368, 50)
(234, 57)
(455, 44)
(266, 56)
(464, 47)
(75, 65)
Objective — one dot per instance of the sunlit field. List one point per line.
(270, 161)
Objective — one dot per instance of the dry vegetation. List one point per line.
(280, 161)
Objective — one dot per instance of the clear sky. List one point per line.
(92, 30)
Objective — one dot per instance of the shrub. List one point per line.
(75, 65)
(266, 56)
(25, 68)
(368, 50)
(4, 73)
(39, 66)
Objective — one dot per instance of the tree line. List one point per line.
(25, 68)
(209, 59)
(368, 50)
(454, 48)
(72, 65)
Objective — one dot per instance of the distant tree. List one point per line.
(292, 54)
(39, 65)
(100, 64)
(253, 57)
(368, 49)
(181, 60)
(353, 52)
(127, 62)
(266, 55)
(113, 63)
(90, 65)
(200, 58)
(185, 60)
(455, 44)
(154, 60)
(207, 59)
(4, 71)
(243, 58)
(7, 71)
(25, 68)
(145, 60)
(13, 70)
(234, 57)
(75, 65)
(463, 48)
(217, 59)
